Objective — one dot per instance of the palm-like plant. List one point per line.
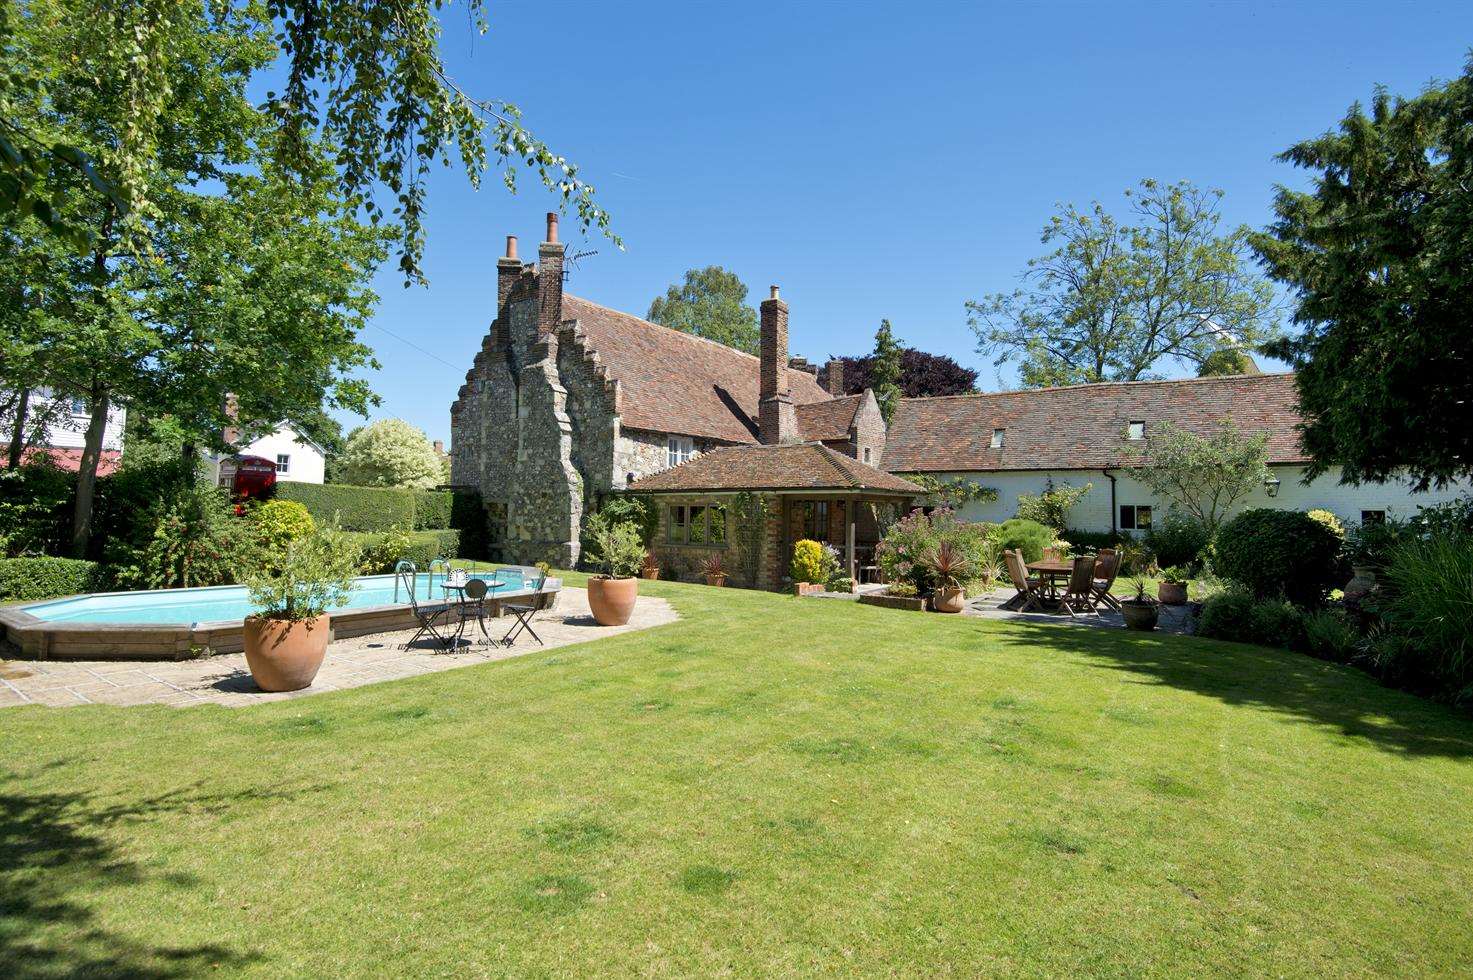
(950, 565)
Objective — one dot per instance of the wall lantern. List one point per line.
(1271, 485)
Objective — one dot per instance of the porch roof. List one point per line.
(796, 466)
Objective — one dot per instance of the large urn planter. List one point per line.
(716, 581)
(1172, 593)
(285, 654)
(949, 600)
(612, 599)
(1140, 615)
(1362, 582)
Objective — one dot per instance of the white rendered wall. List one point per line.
(307, 464)
(69, 431)
(1092, 513)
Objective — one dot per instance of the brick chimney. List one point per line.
(833, 377)
(231, 433)
(508, 268)
(776, 421)
(550, 280)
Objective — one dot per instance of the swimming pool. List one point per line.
(179, 623)
(209, 605)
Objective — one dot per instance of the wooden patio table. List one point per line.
(1052, 570)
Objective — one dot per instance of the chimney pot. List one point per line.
(511, 246)
(552, 226)
(774, 294)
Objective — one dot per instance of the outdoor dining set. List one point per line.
(1071, 585)
(514, 590)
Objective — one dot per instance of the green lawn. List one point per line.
(771, 786)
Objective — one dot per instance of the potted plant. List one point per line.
(950, 567)
(1173, 588)
(1140, 611)
(715, 569)
(286, 639)
(651, 567)
(620, 552)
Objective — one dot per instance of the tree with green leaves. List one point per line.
(1227, 361)
(366, 79)
(1202, 475)
(239, 275)
(1378, 254)
(885, 369)
(390, 453)
(1051, 507)
(711, 303)
(1117, 297)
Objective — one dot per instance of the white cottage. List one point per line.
(1019, 441)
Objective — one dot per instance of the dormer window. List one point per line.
(1135, 430)
(997, 438)
(679, 449)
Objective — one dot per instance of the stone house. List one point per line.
(568, 401)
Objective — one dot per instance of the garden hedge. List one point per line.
(379, 509)
(421, 548)
(1279, 552)
(1021, 534)
(358, 508)
(24, 579)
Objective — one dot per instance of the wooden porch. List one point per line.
(851, 522)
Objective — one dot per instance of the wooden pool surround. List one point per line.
(39, 639)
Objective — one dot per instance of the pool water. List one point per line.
(222, 602)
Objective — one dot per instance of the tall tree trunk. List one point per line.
(87, 473)
(18, 434)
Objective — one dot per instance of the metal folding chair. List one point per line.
(524, 608)
(428, 615)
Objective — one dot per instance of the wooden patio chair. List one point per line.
(1028, 593)
(1080, 596)
(1107, 567)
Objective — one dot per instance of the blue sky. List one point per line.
(876, 160)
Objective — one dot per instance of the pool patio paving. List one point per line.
(225, 680)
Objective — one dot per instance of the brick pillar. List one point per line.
(550, 280)
(776, 421)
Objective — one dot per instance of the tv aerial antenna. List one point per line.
(571, 262)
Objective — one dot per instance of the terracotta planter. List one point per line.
(1139, 615)
(1172, 593)
(716, 580)
(949, 600)
(649, 573)
(285, 654)
(612, 599)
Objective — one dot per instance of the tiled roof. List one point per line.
(675, 382)
(793, 466)
(1083, 426)
(827, 421)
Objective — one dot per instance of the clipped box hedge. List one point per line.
(378, 509)
(423, 546)
(432, 509)
(25, 579)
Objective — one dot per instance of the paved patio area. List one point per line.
(1173, 619)
(225, 680)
